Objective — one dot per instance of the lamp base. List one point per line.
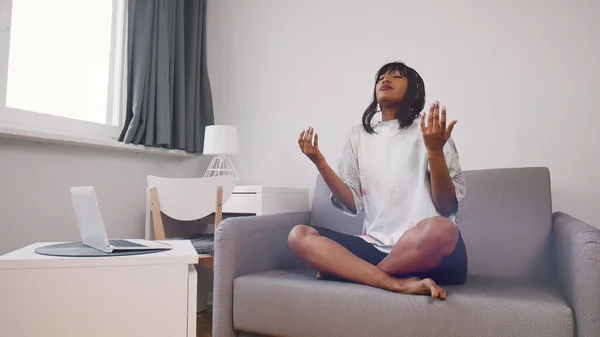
(221, 166)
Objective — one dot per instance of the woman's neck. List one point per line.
(388, 113)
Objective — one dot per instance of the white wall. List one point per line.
(35, 203)
(521, 77)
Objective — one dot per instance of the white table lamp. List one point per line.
(221, 141)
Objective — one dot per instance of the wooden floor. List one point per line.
(204, 324)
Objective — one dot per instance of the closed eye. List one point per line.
(395, 76)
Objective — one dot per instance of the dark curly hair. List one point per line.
(411, 105)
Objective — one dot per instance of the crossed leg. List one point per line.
(420, 249)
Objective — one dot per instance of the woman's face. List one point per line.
(391, 88)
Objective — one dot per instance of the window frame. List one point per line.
(23, 120)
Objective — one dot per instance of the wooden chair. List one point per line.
(185, 199)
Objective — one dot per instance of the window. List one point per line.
(64, 65)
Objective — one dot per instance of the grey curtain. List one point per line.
(169, 100)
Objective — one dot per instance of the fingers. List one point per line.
(301, 141)
(436, 116)
(430, 117)
(443, 120)
(423, 128)
(305, 140)
(307, 135)
(450, 128)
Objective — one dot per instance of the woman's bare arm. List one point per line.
(435, 135)
(340, 190)
(310, 147)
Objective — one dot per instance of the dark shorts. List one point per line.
(451, 271)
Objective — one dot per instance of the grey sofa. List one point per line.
(532, 273)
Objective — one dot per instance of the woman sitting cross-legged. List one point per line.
(405, 175)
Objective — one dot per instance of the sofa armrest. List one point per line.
(577, 248)
(249, 245)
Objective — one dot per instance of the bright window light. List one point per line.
(60, 58)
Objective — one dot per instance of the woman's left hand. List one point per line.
(435, 133)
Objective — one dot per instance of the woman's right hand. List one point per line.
(310, 146)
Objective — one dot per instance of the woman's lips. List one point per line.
(385, 87)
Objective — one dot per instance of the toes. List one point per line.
(318, 277)
(434, 292)
(425, 286)
(443, 294)
(433, 288)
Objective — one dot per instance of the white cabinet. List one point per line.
(148, 295)
(262, 200)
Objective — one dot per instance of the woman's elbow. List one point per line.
(447, 209)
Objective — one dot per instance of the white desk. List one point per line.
(141, 295)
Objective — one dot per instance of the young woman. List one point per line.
(405, 175)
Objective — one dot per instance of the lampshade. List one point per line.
(221, 140)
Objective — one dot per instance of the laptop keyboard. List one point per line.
(124, 244)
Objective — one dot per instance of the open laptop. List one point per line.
(91, 226)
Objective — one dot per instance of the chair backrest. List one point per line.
(505, 219)
(189, 199)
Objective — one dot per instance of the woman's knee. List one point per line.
(437, 233)
(298, 234)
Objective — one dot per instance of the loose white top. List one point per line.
(388, 174)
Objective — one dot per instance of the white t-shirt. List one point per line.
(388, 174)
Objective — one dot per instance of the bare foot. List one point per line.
(426, 287)
(413, 286)
(416, 286)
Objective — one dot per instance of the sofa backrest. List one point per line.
(325, 215)
(505, 220)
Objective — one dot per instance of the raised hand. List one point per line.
(310, 145)
(435, 133)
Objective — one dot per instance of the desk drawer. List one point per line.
(242, 203)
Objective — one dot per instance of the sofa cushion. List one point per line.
(293, 303)
(506, 220)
